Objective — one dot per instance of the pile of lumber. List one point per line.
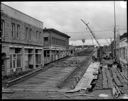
(112, 80)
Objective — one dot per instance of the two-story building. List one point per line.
(56, 45)
(22, 41)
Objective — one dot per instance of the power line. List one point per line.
(97, 31)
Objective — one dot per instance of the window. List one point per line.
(39, 36)
(53, 40)
(26, 33)
(18, 30)
(2, 27)
(36, 34)
(45, 38)
(30, 33)
(46, 53)
(13, 30)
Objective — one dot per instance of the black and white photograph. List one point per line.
(64, 50)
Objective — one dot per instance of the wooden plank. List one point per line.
(119, 76)
(125, 80)
(115, 78)
(99, 83)
(110, 83)
(105, 85)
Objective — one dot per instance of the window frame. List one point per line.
(13, 30)
(18, 30)
(2, 27)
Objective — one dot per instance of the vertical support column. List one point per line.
(50, 54)
(23, 59)
(42, 57)
(7, 61)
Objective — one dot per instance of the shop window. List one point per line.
(11, 58)
(44, 53)
(19, 59)
(45, 38)
(38, 59)
(48, 53)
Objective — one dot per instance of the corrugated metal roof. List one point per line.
(20, 16)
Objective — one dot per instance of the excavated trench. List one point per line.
(72, 80)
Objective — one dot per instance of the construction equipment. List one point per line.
(91, 32)
(99, 50)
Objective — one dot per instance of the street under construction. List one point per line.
(76, 77)
(53, 69)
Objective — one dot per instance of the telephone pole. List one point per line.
(114, 31)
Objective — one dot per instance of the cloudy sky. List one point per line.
(65, 17)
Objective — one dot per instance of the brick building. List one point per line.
(22, 41)
(56, 45)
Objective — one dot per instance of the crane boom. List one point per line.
(91, 32)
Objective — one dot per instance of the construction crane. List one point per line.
(91, 32)
(99, 50)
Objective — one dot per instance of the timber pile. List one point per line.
(116, 77)
(112, 80)
(121, 77)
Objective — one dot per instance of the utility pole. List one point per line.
(114, 32)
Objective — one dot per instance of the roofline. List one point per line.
(54, 30)
(21, 12)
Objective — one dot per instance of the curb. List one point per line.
(28, 75)
(22, 78)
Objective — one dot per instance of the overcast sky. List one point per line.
(65, 16)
